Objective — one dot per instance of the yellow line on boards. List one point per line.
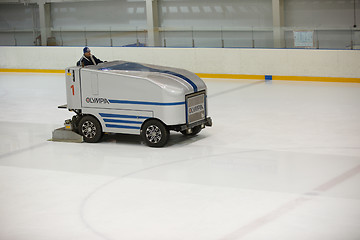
(223, 76)
(31, 70)
(284, 78)
(231, 76)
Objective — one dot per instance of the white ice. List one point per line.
(282, 161)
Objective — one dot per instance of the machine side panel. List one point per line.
(102, 90)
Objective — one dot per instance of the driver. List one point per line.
(88, 58)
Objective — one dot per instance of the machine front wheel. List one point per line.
(154, 133)
(90, 129)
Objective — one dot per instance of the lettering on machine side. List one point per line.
(97, 100)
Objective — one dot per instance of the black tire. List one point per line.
(90, 129)
(154, 133)
(75, 123)
(195, 130)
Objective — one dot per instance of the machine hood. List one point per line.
(189, 79)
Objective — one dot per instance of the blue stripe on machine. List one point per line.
(146, 103)
(183, 77)
(121, 121)
(110, 115)
(121, 126)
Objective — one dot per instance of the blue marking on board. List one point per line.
(268, 77)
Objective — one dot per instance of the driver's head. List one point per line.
(87, 52)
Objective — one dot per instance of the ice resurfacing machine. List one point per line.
(133, 98)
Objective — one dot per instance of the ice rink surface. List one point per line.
(282, 161)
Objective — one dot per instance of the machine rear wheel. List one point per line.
(154, 133)
(90, 129)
